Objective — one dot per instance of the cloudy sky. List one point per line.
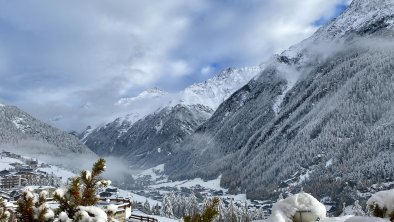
(67, 62)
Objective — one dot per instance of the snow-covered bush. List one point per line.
(33, 207)
(285, 210)
(76, 203)
(82, 192)
(381, 204)
(89, 214)
(4, 214)
(110, 210)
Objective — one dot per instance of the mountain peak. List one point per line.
(363, 17)
(370, 3)
(146, 94)
(215, 90)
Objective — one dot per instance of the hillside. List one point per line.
(149, 141)
(19, 130)
(320, 113)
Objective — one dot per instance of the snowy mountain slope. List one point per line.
(208, 94)
(149, 141)
(362, 17)
(144, 95)
(329, 96)
(214, 91)
(18, 127)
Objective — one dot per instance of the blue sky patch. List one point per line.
(324, 20)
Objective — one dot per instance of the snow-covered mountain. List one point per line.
(144, 95)
(214, 91)
(322, 110)
(19, 130)
(154, 102)
(149, 141)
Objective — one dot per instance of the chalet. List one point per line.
(44, 165)
(32, 163)
(111, 190)
(26, 169)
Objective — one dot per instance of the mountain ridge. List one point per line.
(18, 126)
(256, 147)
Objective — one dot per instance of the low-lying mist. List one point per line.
(117, 170)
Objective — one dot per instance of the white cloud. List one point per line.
(206, 70)
(70, 53)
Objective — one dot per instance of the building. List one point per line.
(10, 181)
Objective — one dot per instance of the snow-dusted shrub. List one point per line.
(82, 191)
(110, 210)
(357, 209)
(381, 204)
(285, 210)
(4, 214)
(90, 214)
(33, 207)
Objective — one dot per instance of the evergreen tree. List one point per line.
(147, 209)
(232, 212)
(82, 192)
(344, 212)
(33, 207)
(357, 209)
(4, 214)
(166, 209)
(192, 205)
(222, 211)
(156, 209)
(245, 213)
(209, 213)
(25, 207)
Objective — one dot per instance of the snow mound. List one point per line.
(366, 219)
(337, 219)
(383, 199)
(92, 213)
(284, 210)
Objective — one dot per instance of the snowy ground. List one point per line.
(160, 219)
(136, 197)
(210, 184)
(349, 218)
(58, 171)
(161, 181)
(6, 161)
